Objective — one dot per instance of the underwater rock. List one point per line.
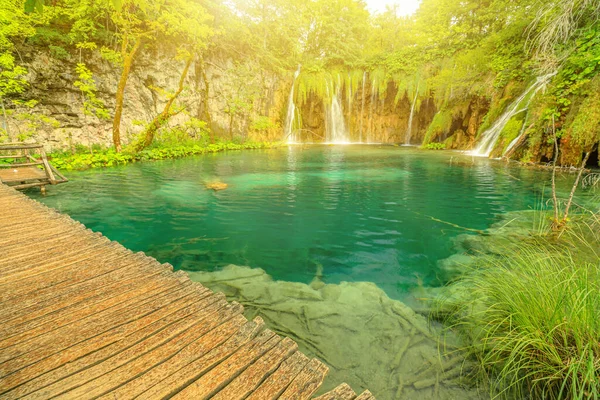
(368, 340)
(216, 186)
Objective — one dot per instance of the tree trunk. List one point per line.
(231, 125)
(6, 127)
(163, 117)
(206, 115)
(127, 61)
(572, 194)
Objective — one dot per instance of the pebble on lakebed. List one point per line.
(367, 339)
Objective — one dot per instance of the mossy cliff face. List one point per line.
(153, 77)
(367, 339)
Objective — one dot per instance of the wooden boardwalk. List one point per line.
(83, 317)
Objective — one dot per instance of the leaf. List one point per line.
(118, 4)
(29, 6)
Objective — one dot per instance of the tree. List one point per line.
(183, 23)
(15, 25)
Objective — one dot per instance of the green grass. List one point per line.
(531, 318)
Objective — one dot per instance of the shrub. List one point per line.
(109, 158)
(435, 146)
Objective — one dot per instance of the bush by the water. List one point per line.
(531, 319)
(435, 146)
(79, 160)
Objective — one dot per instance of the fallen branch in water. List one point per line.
(479, 231)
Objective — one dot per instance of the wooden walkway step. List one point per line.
(83, 317)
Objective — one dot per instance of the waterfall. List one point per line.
(334, 116)
(410, 118)
(490, 136)
(289, 135)
(362, 108)
(373, 87)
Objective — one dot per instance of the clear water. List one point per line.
(348, 213)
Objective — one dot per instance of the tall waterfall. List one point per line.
(410, 118)
(373, 89)
(290, 135)
(490, 136)
(336, 131)
(362, 107)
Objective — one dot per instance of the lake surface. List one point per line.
(355, 213)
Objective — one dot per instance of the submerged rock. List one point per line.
(216, 186)
(367, 339)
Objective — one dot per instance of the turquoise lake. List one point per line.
(345, 213)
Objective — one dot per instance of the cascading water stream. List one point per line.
(491, 136)
(289, 134)
(336, 131)
(373, 87)
(362, 108)
(410, 118)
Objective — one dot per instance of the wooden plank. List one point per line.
(102, 255)
(22, 215)
(157, 326)
(20, 146)
(366, 395)
(79, 267)
(342, 392)
(32, 350)
(249, 380)
(25, 164)
(182, 378)
(23, 238)
(49, 300)
(206, 341)
(14, 240)
(276, 383)
(78, 307)
(306, 382)
(215, 379)
(22, 174)
(36, 255)
(13, 157)
(88, 346)
(111, 377)
(39, 261)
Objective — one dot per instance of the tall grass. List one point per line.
(532, 320)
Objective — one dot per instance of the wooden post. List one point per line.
(49, 172)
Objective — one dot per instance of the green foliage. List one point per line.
(192, 132)
(92, 105)
(580, 67)
(435, 146)
(512, 129)
(441, 124)
(262, 124)
(109, 158)
(530, 318)
(585, 128)
(59, 52)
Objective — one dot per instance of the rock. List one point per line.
(368, 340)
(216, 186)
